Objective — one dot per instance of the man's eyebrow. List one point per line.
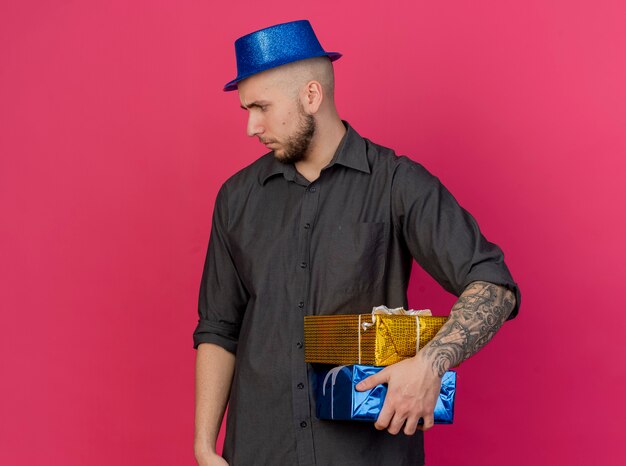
(256, 103)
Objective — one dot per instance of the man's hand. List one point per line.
(211, 459)
(413, 388)
(414, 384)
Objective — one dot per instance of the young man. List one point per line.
(327, 222)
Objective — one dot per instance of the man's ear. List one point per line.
(313, 97)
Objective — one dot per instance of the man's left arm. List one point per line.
(414, 384)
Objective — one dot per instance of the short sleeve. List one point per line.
(223, 297)
(442, 236)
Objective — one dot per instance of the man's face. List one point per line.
(276, 117)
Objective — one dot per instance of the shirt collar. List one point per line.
(350, 153)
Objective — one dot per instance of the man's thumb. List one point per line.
(371, 381)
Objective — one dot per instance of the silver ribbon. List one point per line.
(333, 378)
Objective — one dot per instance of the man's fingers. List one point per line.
(384, 418)
(372, 381)
(411, 425)
(429, 421)
(396, 424)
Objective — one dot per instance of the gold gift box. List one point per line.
(362, 339)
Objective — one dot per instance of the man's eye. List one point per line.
(263, 108)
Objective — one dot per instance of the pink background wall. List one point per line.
(115, 137)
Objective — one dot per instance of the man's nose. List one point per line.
(254, 125)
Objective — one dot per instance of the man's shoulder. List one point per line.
(251, 174)
(382, 157)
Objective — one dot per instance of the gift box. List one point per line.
(338, 399)
(377, 339)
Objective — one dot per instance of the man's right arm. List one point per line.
(222, 302)
(214, 374)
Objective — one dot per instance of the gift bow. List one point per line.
(400, 311)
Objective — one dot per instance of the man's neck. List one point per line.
(323, 146)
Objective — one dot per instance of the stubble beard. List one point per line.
(296, 146)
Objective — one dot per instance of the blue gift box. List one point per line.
(337, 398)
